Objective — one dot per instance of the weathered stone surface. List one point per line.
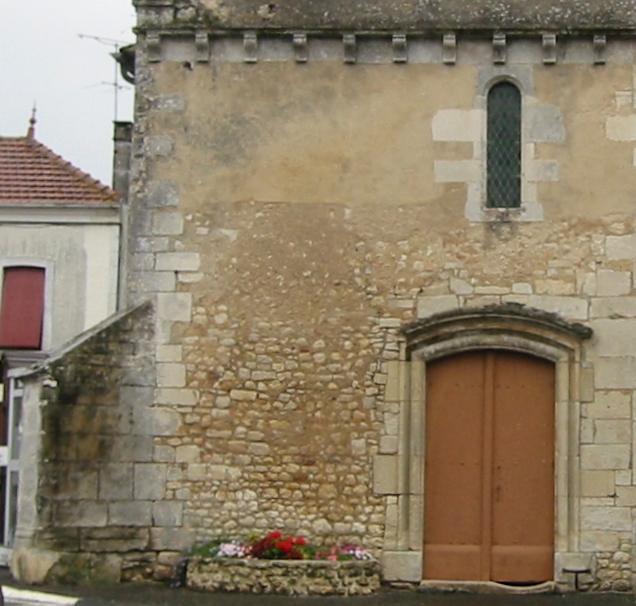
(606, 518)
(605, 456)
(130, 513)
(114, 539)
(286, 577)
(167, 513)
(598, 484)
(116, 481)
(149, 481)
(394, 15)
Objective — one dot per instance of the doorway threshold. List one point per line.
(485, 587)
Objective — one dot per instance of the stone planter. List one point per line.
(288, 577)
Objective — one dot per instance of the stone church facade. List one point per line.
(365, 248)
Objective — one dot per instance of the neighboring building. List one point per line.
(59, 249)
(389, 252)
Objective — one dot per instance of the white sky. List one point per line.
(44, 60)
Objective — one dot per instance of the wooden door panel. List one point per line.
(522, 564)
(523, 468)
(489, 485)
(452, 562)
(453, 490)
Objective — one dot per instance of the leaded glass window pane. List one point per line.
(504, 146)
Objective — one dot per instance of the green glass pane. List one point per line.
(504, 146)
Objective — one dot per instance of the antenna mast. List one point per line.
(116, 45)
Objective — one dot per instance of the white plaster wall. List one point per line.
(101, 245)
(81, 272)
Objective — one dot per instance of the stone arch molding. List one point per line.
(399, 475)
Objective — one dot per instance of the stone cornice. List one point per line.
(59, 214)
(391, 15)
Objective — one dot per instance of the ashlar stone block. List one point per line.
(171, 375)
(176, 397)
(171, 539)
(614, 337)
(159, 145)
(115, 481)
(149, 481)
(572, 308)
(81, 514)
(155, 281)
(621, 247)
(613, 431)
(162, 422)
(606, 518)
(188, 453)
(161, 194)
(167, 224)
(621, 128)
(616, 372)
(132, 448)
(615, 307)
(135, 396)
(385, 474)
(544, 124)
(609, 405)
(458, 125)
(611, 283)
(402, 566)
(169, 353)
(178, 261)
(606, 456)
(169, 103)
(587, 384)
(626, 496)
(174, 306)
(167, 513)
(594, 540)
(429, 305)
(115, 538)
(130, 513)
(597, 484)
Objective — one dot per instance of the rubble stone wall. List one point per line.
(295, 216)
(300, 578)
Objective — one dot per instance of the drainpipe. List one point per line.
(121, 183)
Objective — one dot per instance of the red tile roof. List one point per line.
(30, 173)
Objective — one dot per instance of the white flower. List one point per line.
(233, 549)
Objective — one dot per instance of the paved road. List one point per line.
(144, 595)
(149, 594)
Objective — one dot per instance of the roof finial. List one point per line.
(32, 121)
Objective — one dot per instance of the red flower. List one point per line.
(274, 535)
(300, 541)
(285, 546)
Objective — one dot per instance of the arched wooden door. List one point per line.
(489, 469)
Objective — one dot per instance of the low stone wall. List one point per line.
(290, 577)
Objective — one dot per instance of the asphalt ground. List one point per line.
(143, 594)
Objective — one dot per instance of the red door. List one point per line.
(489, 488)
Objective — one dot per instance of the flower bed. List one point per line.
(288, 577)
(279, 565)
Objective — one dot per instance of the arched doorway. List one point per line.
(489, 467)
(519, 336)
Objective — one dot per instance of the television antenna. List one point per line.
(116, 86)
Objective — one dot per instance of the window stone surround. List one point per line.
(541, 123)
